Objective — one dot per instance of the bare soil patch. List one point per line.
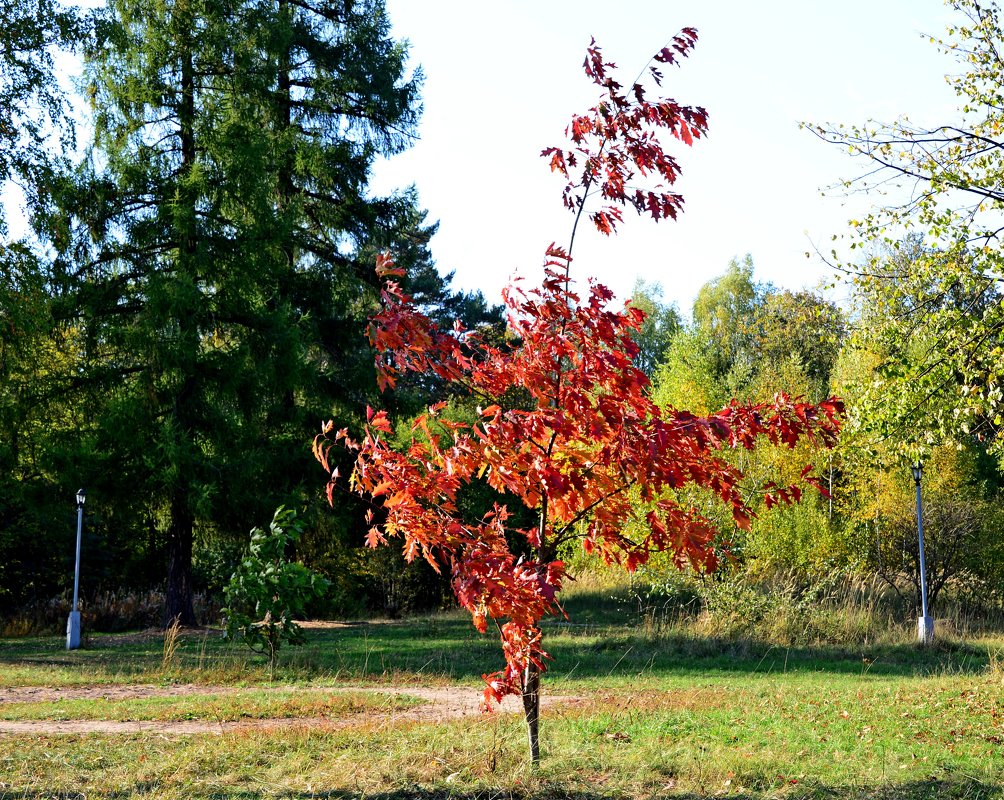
(46, 694)
(440, 704)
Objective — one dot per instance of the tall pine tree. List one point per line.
(211, 248)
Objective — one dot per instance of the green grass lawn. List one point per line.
(672, 714)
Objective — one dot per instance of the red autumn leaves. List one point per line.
(615, 146)
(591, 453)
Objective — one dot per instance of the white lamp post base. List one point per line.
(925, 630)
(73, 631)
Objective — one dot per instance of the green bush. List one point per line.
(267, 590)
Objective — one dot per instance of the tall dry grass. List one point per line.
(107, 612)
(787, 609)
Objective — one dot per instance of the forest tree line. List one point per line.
(192, 298)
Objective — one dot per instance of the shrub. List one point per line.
(267, 590)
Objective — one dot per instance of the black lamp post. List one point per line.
(73, 623)
(925, 625)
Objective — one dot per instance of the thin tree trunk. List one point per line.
(531, 710)
(531, 675)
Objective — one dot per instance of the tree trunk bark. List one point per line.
(179, 564)
(531, 674)
(531, 710)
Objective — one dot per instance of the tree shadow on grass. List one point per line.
(966, 789)
(615, 628)
(598, 641)
(682, 654)
(596, 647)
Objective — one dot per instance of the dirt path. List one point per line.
(135, 691)
(441, 704)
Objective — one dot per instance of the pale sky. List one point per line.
(502, 79)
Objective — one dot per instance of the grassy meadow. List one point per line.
(659, 711)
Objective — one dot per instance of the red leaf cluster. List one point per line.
(615, 145)
(591, 452)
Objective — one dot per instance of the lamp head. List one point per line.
(918, 471)
(80, 498)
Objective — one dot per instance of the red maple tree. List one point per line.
(586, 450)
